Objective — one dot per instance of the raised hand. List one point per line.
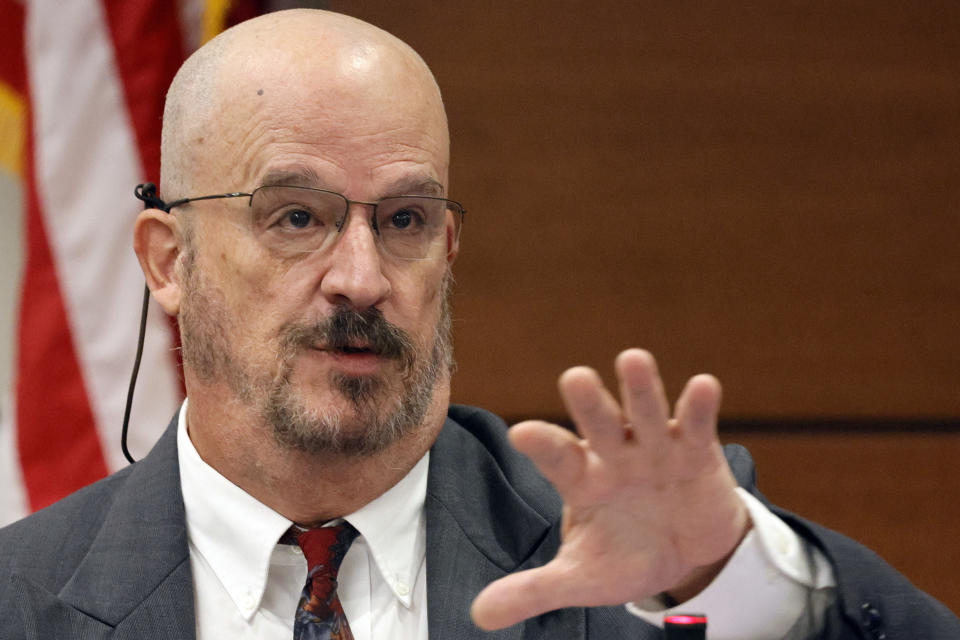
(649, 501)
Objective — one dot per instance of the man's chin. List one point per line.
(362, 392)
(345, 398)
(340, 428)
(334, 391)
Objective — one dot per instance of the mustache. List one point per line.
(347, 328)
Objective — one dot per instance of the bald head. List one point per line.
(292, 74)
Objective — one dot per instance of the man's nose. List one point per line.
(355, 274)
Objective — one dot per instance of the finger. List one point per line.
(522, 595)
(641, 392)
(593, 409)
(554, 450)
(697, 409)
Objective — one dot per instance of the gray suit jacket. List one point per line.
(111, 561)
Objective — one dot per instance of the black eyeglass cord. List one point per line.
(146, 192)
(133, 375)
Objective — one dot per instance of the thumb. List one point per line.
(519, 596)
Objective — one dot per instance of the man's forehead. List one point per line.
(324, 128)
(310, 83)
(318, 47)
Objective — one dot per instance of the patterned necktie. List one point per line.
(319, 613)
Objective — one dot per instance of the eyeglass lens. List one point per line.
(291, 220)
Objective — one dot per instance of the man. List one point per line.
(305, 248)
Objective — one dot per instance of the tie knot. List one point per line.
(325, 548)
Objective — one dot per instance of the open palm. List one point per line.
(649, 501)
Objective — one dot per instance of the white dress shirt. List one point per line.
(247, 585)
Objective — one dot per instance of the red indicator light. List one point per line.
(685, 626)
(685, 619)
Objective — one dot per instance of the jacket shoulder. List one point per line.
(474, 437)
(47, 546)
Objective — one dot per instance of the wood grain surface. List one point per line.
(765, 191)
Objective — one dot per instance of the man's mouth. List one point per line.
(353, 359)
(349, 350)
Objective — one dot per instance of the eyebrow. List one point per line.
(415, 187)
(307, 177)
(299, 177)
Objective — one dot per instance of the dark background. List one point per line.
(763, 190)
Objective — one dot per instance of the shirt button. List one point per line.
(402, 588)
(246, 602)
(783, 544)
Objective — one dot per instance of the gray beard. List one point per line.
(383, 413)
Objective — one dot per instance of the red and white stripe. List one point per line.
(96, 72)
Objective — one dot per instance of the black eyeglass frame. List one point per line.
(167, 206)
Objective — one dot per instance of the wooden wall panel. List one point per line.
(765, 191)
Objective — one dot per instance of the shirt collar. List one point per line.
(236, 534)
(394, 527)
(233, 532)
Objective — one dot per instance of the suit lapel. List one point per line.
(136, 594)
(478, 530)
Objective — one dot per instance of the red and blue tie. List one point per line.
(319, 613)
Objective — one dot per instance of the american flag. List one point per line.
(81, 96)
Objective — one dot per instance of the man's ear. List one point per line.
(156, 242)
(453, 240)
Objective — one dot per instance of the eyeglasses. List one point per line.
(292, 220)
